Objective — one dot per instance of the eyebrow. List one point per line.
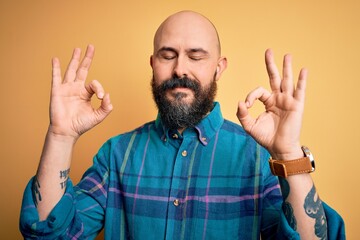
(167, 49)
(191, 50)
(196, 50)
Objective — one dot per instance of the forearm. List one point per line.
(302, 207)
(52, 175)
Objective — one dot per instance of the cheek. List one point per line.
(162, 71)
(205, 74)
(159, 78)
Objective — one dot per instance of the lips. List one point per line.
(181, 84)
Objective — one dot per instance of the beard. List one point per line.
(178, 114)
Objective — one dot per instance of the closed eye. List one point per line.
(168, 57)
(167, 53)
(197, 54)
(196, 58)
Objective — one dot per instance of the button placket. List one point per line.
(176, 203)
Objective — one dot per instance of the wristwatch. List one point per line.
(285, 168)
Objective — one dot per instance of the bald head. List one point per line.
(188, 29)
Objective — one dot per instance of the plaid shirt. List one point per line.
(211, 182)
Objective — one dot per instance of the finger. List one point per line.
(94, 87)
(105, 108)
(301, 85)
(56, 72)
(257, 94)
(70, 73)
(83, 70)
(244, 117)
(287, 83)
(273, 73)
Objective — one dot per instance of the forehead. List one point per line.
(186, 32)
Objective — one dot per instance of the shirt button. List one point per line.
(175, 136)
(176, 202)
(184, 153)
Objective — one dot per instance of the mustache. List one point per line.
(176, 82)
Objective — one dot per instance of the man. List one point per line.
(190, 174)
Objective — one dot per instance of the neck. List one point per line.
(181, 130)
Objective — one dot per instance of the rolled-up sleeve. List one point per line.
(56, 223)
(336, 226)
(79, 214)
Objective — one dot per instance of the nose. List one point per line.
(181, 68)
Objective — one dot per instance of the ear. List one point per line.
(220, 68)
(151, 61)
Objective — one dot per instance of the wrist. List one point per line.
(292, 154)
(57, 151)
(287, 167)
(60, 139)
(53, 135)
(288, 156)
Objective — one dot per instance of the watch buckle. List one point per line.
(277, 168)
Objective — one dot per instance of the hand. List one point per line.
(278, 128)
(71, 113)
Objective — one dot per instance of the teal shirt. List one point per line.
(211, 182)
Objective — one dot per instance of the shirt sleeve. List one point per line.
(335, 226)
(56, 223)
(272, 200)
(78, 214)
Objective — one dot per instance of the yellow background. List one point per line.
(324, 36)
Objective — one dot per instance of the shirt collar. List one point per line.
(205, 130)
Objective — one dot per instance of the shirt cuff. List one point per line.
(57, 221)
(335, 226)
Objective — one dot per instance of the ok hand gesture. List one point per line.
(71, 113)
(278, 128)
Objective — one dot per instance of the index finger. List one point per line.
(83, 69)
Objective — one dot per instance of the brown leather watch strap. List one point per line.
(285, 168)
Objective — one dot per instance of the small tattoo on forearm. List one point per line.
(314, 209)
(65, 173)
(36, 191)
(63, 184)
